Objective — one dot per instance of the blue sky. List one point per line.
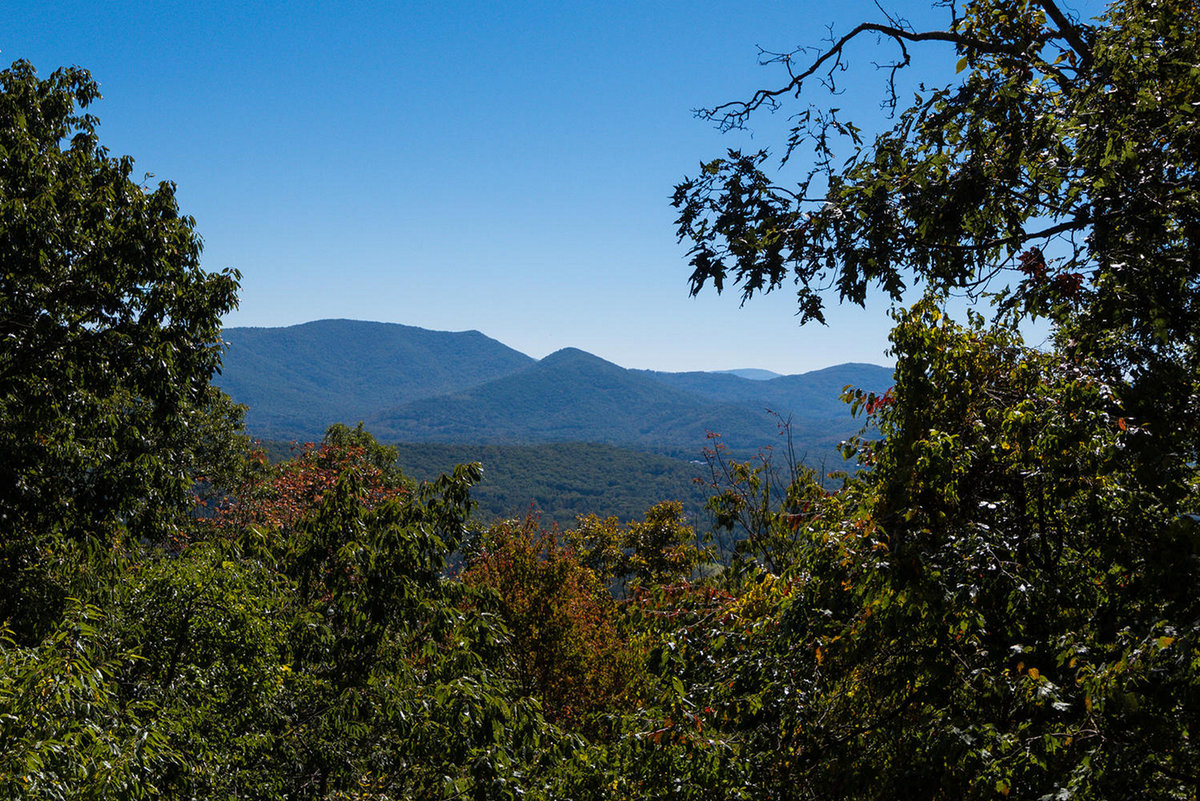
(501, 167)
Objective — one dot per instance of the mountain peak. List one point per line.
(571, 355)
(298, 379)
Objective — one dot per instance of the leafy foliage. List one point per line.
(757, 508)
(567, 645)
(988, 608)
(65, 729)
(1004, 601)
(109, 334)
(277, 496)
(973, 175)
(659, 549)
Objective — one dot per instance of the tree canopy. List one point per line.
(1003, 601)
(1057, 172)
(109, 335)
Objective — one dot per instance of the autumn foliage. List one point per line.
(277, 496)
(568, 646)
(1000, 600)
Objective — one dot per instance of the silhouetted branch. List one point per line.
(734, 114)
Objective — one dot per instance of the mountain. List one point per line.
(573, 396)
(752, 373)
(808, 395)
(299, 380)
(410, 384)
(569, 396)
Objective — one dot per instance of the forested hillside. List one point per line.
(557, 481)
(1004, 602)
(572, 396)
(564, 480)
(297, 381)
(412, 385)
(808, 397)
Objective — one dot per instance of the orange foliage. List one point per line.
(278, 496)
(566, 642)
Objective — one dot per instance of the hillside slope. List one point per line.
(299, 380)
(563, 480)
(805, 396)
(573, 396)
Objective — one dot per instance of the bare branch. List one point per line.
(733, 114)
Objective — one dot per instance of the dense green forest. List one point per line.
(1003, 602)
(563, 481)
(559, 481)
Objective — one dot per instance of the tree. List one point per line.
(1004, 601)
(109, 336)
(999, 604)
(278, 496)
(757, 506)
(66, 728)
(1059, 174)
(658, 549)
(567, 649)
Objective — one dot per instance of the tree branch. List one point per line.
(1020, 239)
(733, 114)
(1069, 31)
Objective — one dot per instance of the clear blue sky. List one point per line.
(455, 165)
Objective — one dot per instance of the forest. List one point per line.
(1003, 601)
(558, 482)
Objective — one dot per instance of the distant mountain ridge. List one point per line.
(813, 394)
(753, 373)
(573, 396)
(410, 384)
(297, 381)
